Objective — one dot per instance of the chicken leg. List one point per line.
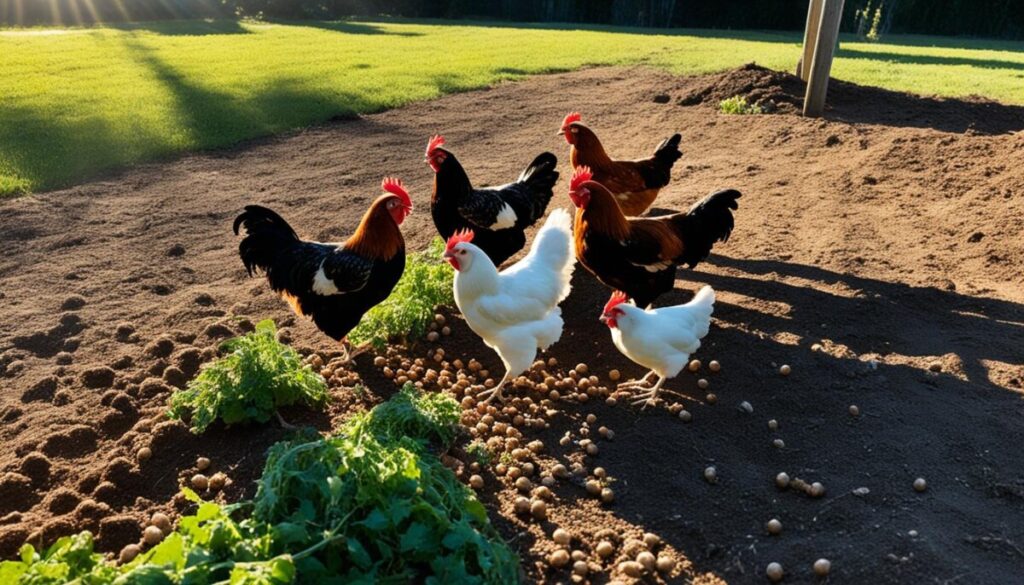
(347, 356)
(494, 392)
(647, 398)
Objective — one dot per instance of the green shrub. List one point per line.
(425, 284)
(250, 383)
(738, 105)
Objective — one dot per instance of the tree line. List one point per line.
(979, 18)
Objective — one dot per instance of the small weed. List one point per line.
(738, 105)
(480, 453)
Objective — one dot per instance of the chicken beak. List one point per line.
(450, 258)
(603, 319)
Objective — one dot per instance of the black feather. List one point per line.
(658, 171)
(709, 221)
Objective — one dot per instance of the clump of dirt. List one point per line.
(16, 493)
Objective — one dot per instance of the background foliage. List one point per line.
(985, 18)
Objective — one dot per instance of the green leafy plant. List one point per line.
(370, 504)
(738, 105)
(425, 284)
(382, 507)
(70, 559)
(258, 376)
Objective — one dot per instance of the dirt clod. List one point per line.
(98, 377)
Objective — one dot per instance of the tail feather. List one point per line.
(703, 301)
(551, 259)
(554, 242)
(541, 175)
(695, 316)
(668, 151)
(267, 233)
(709, 221)
(657, 171)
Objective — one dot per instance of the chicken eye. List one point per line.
(463, 252)
(574, 130)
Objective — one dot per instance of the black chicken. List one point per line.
(497, 215)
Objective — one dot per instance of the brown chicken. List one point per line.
(639, 255)
(634, 183)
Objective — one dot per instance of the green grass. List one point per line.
(74, 102)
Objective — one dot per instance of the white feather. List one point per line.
(323, 285)
(506, 218)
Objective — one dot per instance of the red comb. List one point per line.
(436, 141)
(459, 237)
(618, 297)
(582, 175)
(572, 117)
(394, 186)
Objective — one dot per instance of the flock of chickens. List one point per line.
(515, 311)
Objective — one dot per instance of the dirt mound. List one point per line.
(783, 93)
(870, 247)
(774, 91)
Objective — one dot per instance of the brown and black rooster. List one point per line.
(639, 255)
(333, 284)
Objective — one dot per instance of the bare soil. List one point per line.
(877, 252)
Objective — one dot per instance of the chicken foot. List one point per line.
(647, 398)
(491, 393)
(347, 356)
(635, 383)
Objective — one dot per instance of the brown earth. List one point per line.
(878, 252)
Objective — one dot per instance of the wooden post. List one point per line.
(821, 64)
(810, 38)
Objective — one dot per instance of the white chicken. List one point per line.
(660, 339)
(515, 311)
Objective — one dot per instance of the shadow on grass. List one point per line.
(185, 27)
(348, 27)
(63, 150)
(929, 59)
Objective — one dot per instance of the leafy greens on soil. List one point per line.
(258, 376)
(425, 285)
(369, 504)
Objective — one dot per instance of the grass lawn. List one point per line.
(74, 102)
